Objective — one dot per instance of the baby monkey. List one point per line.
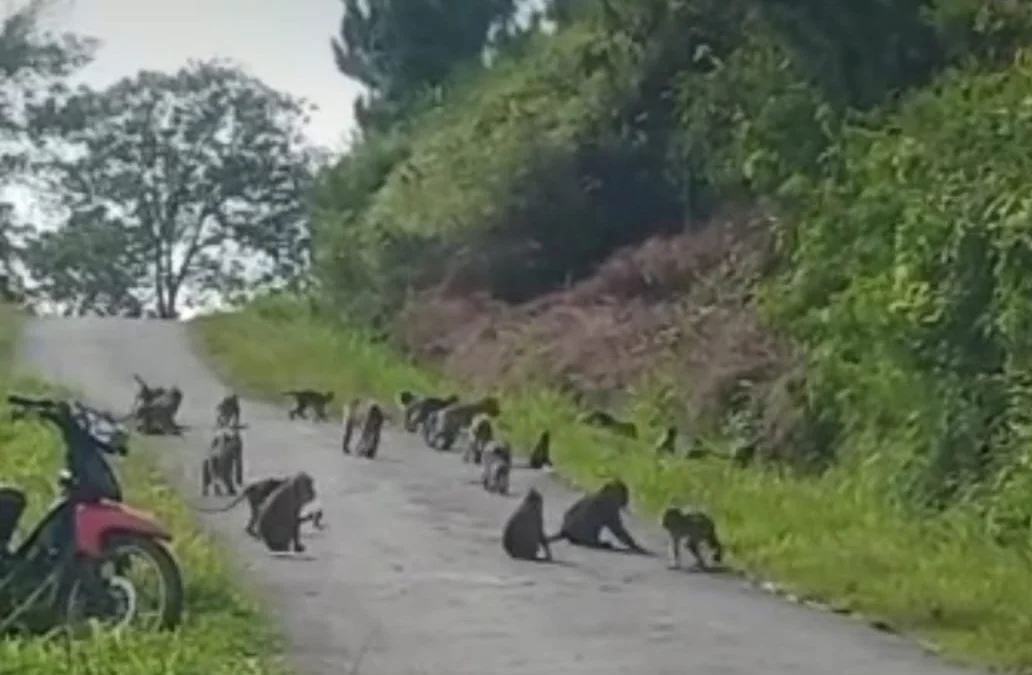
(694, 527)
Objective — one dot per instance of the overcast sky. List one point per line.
(283, 42)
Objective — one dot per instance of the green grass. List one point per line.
(833, 540)
(223, 632)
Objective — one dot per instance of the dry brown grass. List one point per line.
(679, 303)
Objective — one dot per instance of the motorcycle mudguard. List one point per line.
(94, 521)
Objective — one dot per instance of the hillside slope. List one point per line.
(793, 237)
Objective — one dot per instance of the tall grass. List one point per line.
(835, 539)
(223, 632)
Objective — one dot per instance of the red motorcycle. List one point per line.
(76, 564)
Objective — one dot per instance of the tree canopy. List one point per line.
(190, 183)
(33, 68)
(400, 49)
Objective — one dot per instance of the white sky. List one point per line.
(285, 43)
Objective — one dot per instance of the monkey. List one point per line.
(694, 527)
(256, 493)
(497, 467)
(541, 455)
(372, 426)
(405, 399)
(667, 443)
(600, 418)
(279, 518)
(480, 434)
(584, 520)
(145, 394)
(524, 532)
(305, 399)
(227, 411)
(419, 409)
(224, 463)
(443, 427)
(157, 415)
(350, 422)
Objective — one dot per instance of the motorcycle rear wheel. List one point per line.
(113, 599)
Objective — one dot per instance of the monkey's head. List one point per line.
(533, 498)
(304, 488)
(328, 396)
(671, 518)
(176, 395)
(405, 397)
(544, 439)
(617, 490)
(450, 399)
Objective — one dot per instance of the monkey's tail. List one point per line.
(236, 500)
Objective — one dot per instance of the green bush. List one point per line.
(909, 285)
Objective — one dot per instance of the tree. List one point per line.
(192, 184)
(33, 67)
(400, 49)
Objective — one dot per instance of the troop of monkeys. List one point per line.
(277, 503)
(440, 420)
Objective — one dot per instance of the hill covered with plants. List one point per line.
(797, 226)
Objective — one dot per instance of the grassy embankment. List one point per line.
(223, 632)
(831, 539)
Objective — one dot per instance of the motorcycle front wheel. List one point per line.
(111, 592)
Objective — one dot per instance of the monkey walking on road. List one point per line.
(584, 521)
(309, 399)
(256, 493)
(694, 527)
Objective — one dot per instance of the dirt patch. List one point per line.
(681, 305)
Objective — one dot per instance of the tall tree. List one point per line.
(192, 184)
(400, 49)
(33, 67)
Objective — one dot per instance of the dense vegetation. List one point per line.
(578, 176)
(884, 140)
(789, 224)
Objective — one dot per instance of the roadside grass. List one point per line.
(223, 632)
(833, 540)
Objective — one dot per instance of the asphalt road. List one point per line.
(410, 579)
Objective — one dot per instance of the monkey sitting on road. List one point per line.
(541, 456)
(524, 532)
(418, 409)
(256, 493)
(227, 412)
(224, 463)
(351, 414)
(497, 467)
(694, 527)
(279, 518)
(584, 520)
(156, 412)
(667, 443)
(309, 399)
(442, 428)
(481, 432)
(372, 428)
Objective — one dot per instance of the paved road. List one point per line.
(410, 577)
